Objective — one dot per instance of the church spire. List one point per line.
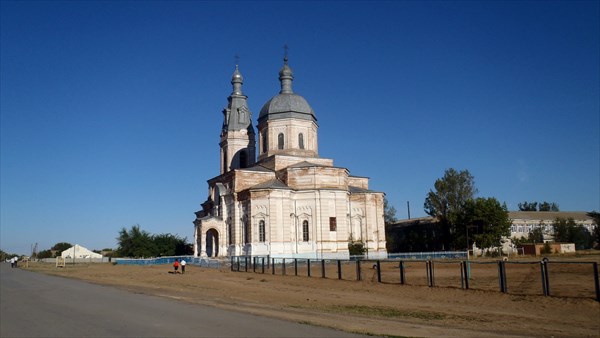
(237, 135)
(237, 80)
(236, 114)
(286, 76)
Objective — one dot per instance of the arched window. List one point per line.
(305, 231)
(261, 231)
(243, 159)
(264, 141)
(301, 141)
(280, 141)
(225, 161)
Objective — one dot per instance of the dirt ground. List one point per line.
(365, 306)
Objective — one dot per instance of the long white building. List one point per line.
(524, 222)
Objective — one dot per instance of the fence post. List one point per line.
(254, 264)
(379, 271)
(462, 276)
(273, 266)
(542, 269)
(263, 265)
(504, 276)
(296, 266)
(358, 269)
(283, 268)
(322, 268)
(308, 266)
(339, 266)
(246, 263)
(431, 278)
(501, 277)
(466, 272)
(597, 283)
(401, 267)
(547, 277)
(232, 258)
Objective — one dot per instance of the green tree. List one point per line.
(486, 221)
(45, 254)
(389, 212)
(170, 245)
(536, 235)
(447, 202)
(528, 206)
(135, 243)
(61, 246)
(4, 255)
(139, 243)
(547, 249)
(535, 206)
(596, 232)
(546, 206)
(567, 230)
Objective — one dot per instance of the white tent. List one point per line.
(77, 251)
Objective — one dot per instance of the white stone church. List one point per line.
(288, 202)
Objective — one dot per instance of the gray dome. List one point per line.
(287, 105)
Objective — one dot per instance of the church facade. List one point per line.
(285, 201)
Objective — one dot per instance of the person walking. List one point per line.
(176, 265)
(182, 265)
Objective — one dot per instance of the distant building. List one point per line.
(414, 235)
(79, 252)
(524, 222)
(288, 201)
(423, 234)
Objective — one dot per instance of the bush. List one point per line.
(547, 249)
(356, 248)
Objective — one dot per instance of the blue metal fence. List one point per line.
(429, 255)
(203, 262)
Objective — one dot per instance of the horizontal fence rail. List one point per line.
(548, 278)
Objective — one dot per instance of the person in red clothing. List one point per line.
(176, 265)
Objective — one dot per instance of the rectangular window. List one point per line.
(332, 224)
(261, 231)
(305, 231)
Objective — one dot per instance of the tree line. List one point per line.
(535, 206)
(138, 243)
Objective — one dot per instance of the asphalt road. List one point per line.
(38, 305)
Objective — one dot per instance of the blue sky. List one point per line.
(111, 110)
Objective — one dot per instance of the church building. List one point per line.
(285, 201)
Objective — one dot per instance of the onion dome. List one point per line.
(286, 104)
(236, 80)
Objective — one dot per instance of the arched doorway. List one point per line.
(212, 243)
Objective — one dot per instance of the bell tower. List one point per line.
(238, 144)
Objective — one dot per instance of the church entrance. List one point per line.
(212, 243)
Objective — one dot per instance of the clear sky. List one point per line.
(111, 110)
